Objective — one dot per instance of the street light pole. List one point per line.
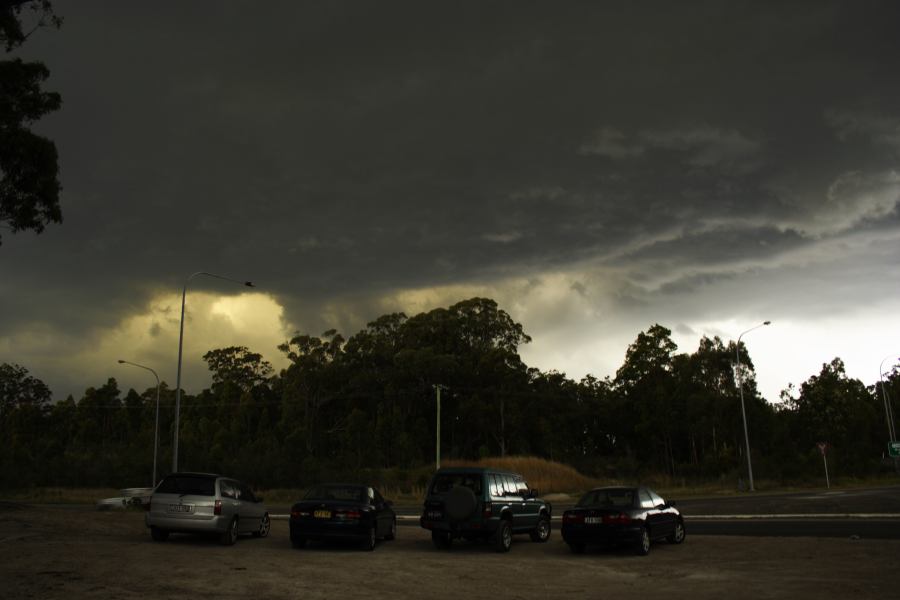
(888, 413)
(437, 452)
(156, 429)
(744, 410)
(180, 344)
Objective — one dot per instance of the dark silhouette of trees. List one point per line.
(348, 406)
(29, 184)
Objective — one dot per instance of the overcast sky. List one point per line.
(594, 167)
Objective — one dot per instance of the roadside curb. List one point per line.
(411, 518)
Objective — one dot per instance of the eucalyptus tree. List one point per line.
(29, 169)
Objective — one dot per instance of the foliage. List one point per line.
(365, 407)
(29, 185)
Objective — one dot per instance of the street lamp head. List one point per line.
(249, 284)
(121, 362)
(767, 322)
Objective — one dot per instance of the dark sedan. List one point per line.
(622, 515)
(343, 511)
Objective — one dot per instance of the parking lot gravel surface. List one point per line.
(63, 553)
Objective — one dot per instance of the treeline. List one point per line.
(367, 404)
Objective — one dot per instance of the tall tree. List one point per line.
(238, 366)
(837, 409)
(29, 169)
(18, 388)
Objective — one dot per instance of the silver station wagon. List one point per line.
(207, 504)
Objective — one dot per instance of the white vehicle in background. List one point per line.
(127, 498)
(207, 504)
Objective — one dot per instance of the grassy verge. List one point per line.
(555, 481)
(58, 495)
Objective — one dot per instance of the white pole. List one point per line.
(743, 410)
(437, 452)
(180, 344)
(156, 429)
(825, 460)
(892, 434)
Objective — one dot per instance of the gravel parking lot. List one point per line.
(80, 553)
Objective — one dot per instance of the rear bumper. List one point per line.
(600, 534)
(468, 528)
(310, 529)
(215, 524)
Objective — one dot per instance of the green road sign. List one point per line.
(894, 449)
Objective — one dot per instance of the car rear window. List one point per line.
(444, 482)
(345, 493)
(608, 498)
(187, 485)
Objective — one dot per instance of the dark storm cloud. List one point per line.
(353, 149)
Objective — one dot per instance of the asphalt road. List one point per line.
(872, 513)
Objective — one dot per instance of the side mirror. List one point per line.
(533, 493)
(661, 506)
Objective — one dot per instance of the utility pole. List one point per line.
(437, 451)
(743, 410)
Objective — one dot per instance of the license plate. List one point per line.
(181, 508)
(593, 520)
(322, 514)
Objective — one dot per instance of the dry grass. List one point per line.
(547, 476)
(58, 495)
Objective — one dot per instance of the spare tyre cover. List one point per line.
(460, 503)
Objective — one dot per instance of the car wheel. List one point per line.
(264, 525)
(442, 540)
(392, 534)
(577, 547)
(503, 536)
(642, 548)
(159, 535)
(230, 535)
(298, 542)
(677, 535)
(541, 533)
(369, 544)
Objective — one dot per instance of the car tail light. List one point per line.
(617, 519)
(487, 510)
(348, 514)
(217, 510)
(573, 517)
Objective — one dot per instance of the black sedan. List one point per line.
(622, 515)
(343, 511)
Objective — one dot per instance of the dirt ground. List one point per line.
(79, 553)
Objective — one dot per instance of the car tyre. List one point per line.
(392, 534)
(577, 547)
(230, 535)
(369, 544)
(441, 540)
(503, 536)
(264, 525)
(642, 547)
(541, 533)
(159, 535)
(678, 534)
